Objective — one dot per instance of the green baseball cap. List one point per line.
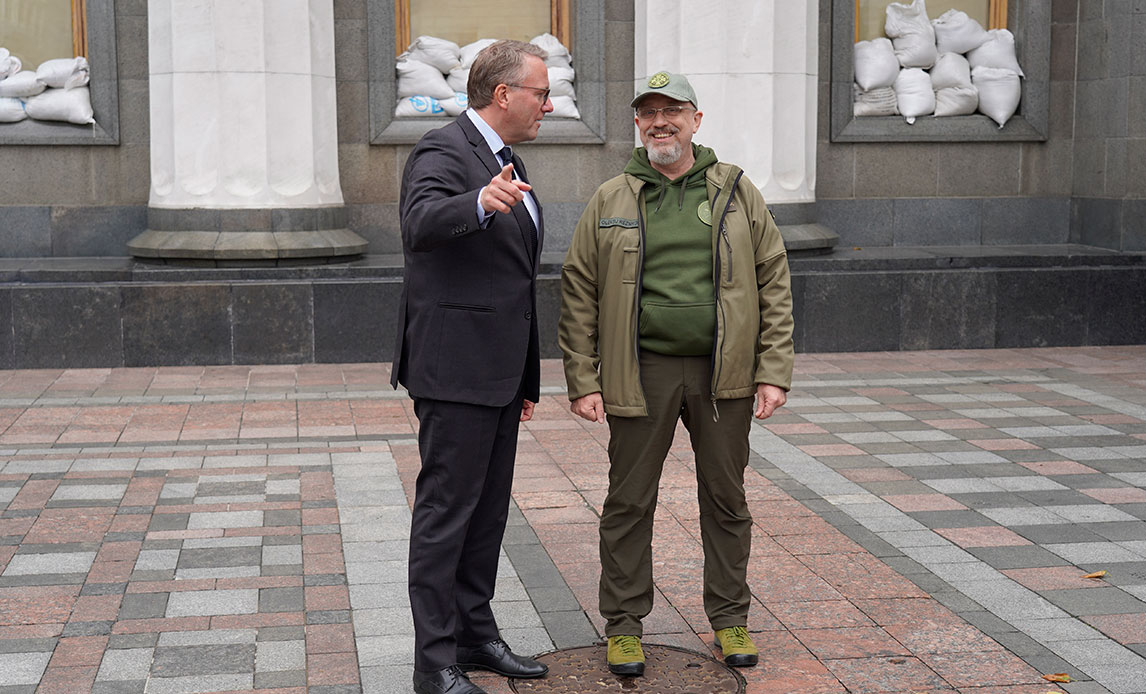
(670, 84)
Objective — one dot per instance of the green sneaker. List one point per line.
(739, 651)
(625, 656)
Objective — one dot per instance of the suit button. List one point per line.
(528, 315)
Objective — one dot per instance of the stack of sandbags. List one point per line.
(561, 76)
(56, 91)
(955, 95)
(876, 69)
(433, 76)
(968, 68)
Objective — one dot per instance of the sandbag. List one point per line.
(470, 51)
(455, 106)
(564, 107)
(956, 101)
(418, 106)
(416, 78)
(951, 70)
(442, 54)
(64, 73)
(11, 110)
(875, 64)
(913, 94)
(999, 92)
(558, 53)
(955, 32)
(21, 84)
(9, 64)
(68, 105)
(874, 102)
(997, 52)
(458, 79)
(561, 82)
(911, 34)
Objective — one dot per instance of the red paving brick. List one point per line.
(1053, 578)
(983, 537)
(1123, 628)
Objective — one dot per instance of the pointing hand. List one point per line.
(503, 191)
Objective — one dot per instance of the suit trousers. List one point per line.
(676, 388)
(460, 508)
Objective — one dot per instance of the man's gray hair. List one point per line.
(502, 62)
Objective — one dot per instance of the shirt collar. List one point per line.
(492, 139)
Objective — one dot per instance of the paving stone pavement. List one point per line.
(924, 521)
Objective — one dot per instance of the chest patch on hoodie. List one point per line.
(617, 222)
(704, 211)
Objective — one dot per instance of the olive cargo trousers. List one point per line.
(676, 387)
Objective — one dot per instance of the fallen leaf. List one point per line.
(1057, 677)
(1096, 574)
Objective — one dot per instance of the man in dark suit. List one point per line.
(468, 355)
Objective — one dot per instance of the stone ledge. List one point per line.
(246, 245)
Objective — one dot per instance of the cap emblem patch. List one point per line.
(659, 80)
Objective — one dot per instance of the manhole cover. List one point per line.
(668, 670)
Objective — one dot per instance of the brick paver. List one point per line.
(923, 522)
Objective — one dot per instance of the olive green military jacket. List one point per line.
(601, 281)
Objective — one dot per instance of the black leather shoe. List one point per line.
(495, 656)
(450, 680)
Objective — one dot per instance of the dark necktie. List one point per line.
(506, 155)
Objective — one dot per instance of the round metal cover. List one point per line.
(668, 670)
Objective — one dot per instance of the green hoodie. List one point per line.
(678, 309)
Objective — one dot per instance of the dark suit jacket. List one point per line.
(467, 320)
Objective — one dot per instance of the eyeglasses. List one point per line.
(543, 93)
(670, 112)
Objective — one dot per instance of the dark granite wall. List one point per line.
(1109, 209)
(909, 303)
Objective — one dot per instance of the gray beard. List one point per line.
(666, 156)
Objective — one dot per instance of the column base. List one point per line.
(256, 235)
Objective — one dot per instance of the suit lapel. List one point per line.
(520, 212)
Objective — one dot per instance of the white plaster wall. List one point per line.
(753, 64)
(243, 109)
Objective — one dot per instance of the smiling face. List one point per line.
(668, 139)
(523, 103)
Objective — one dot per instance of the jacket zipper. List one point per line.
(722, 232)
(637, 290)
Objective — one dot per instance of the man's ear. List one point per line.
(501, 95)
(696, 121)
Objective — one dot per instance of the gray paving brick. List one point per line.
(22, 668)
(1092, 552)
(387, 679)
(212, 637)
(213, 602)
(56, 563)
(220, 572)
(143, 606)
(128, 664)
(120, 687)
(225, 519)
(384, 621)
(218, 557)
(281, 600)
(1025, 557)
(280, 655)
(1096, 601)
(157, 559)
(87, 629)
(281, 679)
(282, 554)
(126, 641)
(203, 661)
(199, 683)
(1011, 517)
(328, 617)
(281, 633)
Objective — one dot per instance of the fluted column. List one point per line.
(244, 141)
(754, 66)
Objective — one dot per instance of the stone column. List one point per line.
(754, 65)
(244, 141)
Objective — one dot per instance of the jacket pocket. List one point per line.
(684, 330)
(629, 265)
(466, 307)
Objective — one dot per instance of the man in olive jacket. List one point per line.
(676, 303)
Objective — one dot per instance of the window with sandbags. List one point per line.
(433, 69)
(44, 70)
(961, 62)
